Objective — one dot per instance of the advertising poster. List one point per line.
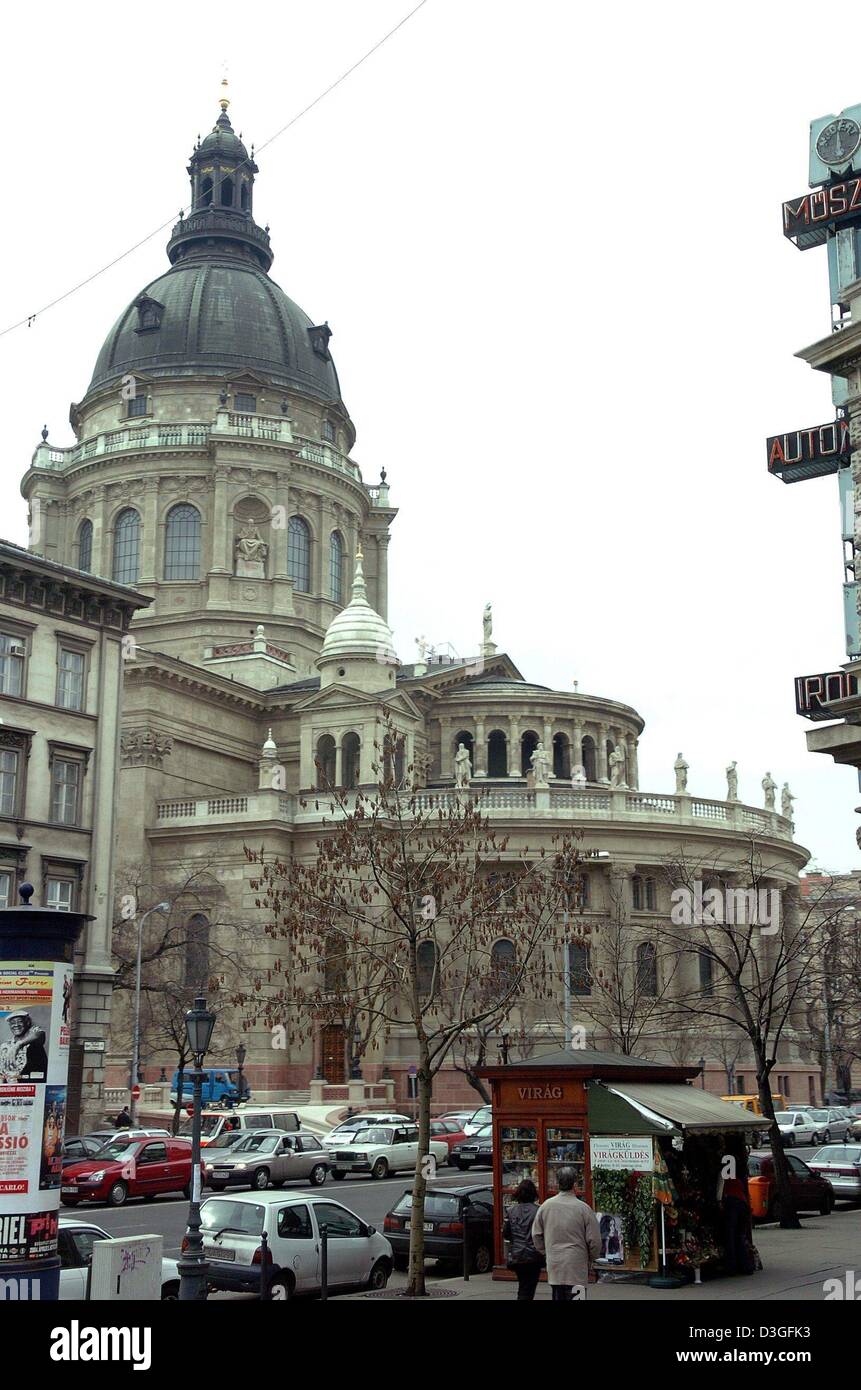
(53, 1129)
(612, 1237)
(28, 1235)
(635, 1154)
(18, 1106)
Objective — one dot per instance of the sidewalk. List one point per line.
(796, 1264)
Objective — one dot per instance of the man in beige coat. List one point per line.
(566, 1231)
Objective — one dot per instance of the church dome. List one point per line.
(358, 632)
(216, 311)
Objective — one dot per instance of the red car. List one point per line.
(129, 1168)
(449, 1131)
(810, 1191)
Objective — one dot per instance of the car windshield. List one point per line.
(258, 1143)
(228, 1140)
(373, 1135)
(435, 1205)
(838, 1153)
(486, 1132)
(786, 1117)
(119, 1150)
(818, 1114)
(224, 1213)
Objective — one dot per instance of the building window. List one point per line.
(325, 762)
(336, 567)
(579, 972)
(706, 972)
(651, 895)
(350, 753)
(425, 969)
(182, 543)
(244, 402)
(13, 652)
(497, 754)
(127, 544)
(503, 966)
(85, 546)
(197, 952)
(561, 756)
(647, 969)
(60, 894)
(9, 762)
(587, 758)
(328, 432)
(71, 667)
(65, 790)
(137, 405)
(740, 1084)
(637, 893)
(5, 888)
(299, 554)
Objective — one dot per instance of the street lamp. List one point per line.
(193, 1269)
(241, 1054)
(703, 1072)
(136, 1049)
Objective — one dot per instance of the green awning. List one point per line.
(682, 1108)
(610, 1115)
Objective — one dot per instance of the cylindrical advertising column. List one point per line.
(36, 970)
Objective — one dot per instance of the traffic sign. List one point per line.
(136, 1092)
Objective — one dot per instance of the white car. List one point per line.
(75, 1241)
(346, 1129)
(381, 1150)
(797, 1127)
(481, 1117)
(357, 1255)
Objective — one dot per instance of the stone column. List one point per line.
(149, 539)
(446, 764)
(222, 540)
(382, 604)
(576, 744)
(619, 880)
(601, 754)
(102, 561)
(338, 768)
(479, 751)
(633, 766)
(514, 746)
(548, 743)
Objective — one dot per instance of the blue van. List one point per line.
(219, 1084)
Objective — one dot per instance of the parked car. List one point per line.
(476, 1151)
(107, 1136)
(839, 1122)
(753, 1104)
(855, 1128)
(358, 1256)
(228, 1140)
(80, 1146)
(381, 1150)
(797, 1127)
(829, 1125)
(218, 1084)
(345, 1130)
(841, 1165)
(448, 1212)
(75, 1241)
(216, 1122)
(449, 1131)
(460, 1117)
(810, 1191)
(129, 1168)
(480, 1117)
(265, 1155)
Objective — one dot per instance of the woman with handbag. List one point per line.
(523, 1258)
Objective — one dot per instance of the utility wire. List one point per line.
(30, 319)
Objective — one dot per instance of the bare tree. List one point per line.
(434, 938)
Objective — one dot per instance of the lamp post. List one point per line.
(136, 1047)
(193, 1269)
(703, 1072)
(241, 1054)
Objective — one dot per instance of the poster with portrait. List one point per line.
(26, 1007)
(612, 1230)
(53, 1129)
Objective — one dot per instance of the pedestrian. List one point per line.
(124, 1119)
(523, 1258)
(566, 1231)
(734, 1202)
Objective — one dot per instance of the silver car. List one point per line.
(264, 1156)
(841, 1165)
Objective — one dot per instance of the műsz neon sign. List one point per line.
(808, 220)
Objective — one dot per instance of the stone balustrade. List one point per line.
(556, 802)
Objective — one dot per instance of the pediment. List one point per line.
(342, 697)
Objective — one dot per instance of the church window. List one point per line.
(227, 193)
(244, 402)
(127, 544)
(588, 758)
(299, 554)
(651, 895)
(350, 749)
(138, 405)
(579, 969)
(426, 959)
(637, 893)
(85, 546)
(244, 196)
(325, 762)
(182, 543)
(497, 754)
(328, 431)
(503, 966)
(647, 969)
(336, 567)
(206, 192)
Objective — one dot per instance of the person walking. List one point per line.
(566, 1231)
(523, 1258)
(124, 1119)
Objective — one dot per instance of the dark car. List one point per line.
(810, 1192)
(474, 1152)
(81, 1146)
(448, 1211)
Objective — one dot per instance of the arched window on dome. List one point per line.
(647, 969)
(85, 546)
(336, 567)
(127, 545)
(528, 745)
(561, 756)
(497, 754)
(182, 542)
(227, 193)
(587, 749)
(351, 748)
(206, 192)
(299, 554)
(244, 197)
(325, 762)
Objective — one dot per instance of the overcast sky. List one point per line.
(548, 241)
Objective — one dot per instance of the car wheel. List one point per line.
(339, 1174)
(318, 1174)
(117, 1194)
(826, 1136)
(789, 1142)
(260, 1181)
(281, 1289)
(826, 1206)
(481, 1259)
(170, 1291)
(380, 1169)
(379, 1276)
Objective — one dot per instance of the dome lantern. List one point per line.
(359, 646)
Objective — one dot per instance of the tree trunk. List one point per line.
(416, 1271)
(783, 1192)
